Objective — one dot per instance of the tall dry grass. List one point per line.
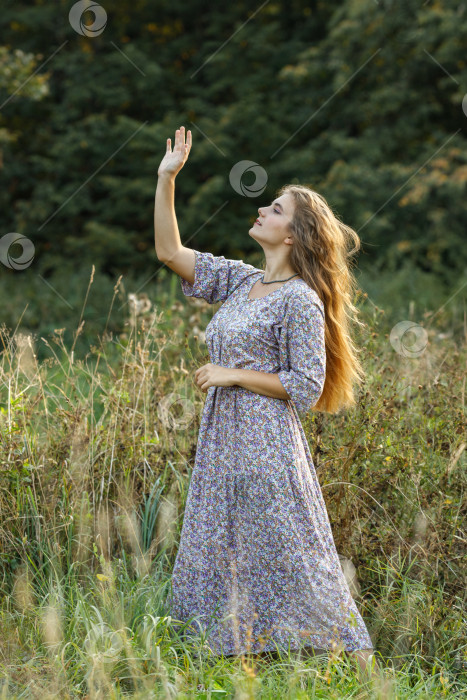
(96, 457)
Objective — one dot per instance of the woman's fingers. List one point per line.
(180, 148)
(179, 142)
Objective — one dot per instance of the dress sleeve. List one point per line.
(215, 277)
(302, 349)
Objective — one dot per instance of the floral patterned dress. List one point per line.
(257, 568)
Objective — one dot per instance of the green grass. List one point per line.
(95, 460)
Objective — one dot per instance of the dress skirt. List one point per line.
(257, 568)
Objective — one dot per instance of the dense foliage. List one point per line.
(362, 100)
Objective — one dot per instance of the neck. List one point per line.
(277, 267)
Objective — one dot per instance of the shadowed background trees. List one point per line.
(362, 100)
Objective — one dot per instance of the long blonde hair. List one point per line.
(321, 255)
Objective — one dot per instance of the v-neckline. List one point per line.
(294, 279)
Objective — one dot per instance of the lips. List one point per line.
(258, 222)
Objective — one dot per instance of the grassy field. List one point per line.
(96, 457)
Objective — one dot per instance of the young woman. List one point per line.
(257, 566)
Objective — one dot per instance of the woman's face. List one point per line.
(272, 223)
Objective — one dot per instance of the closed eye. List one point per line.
(277, 211)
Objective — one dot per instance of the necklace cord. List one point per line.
(273, 281)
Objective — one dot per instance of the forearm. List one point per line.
(265, 383)
(166, 234)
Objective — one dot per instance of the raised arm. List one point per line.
(169, 248)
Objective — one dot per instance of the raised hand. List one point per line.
(175, 159)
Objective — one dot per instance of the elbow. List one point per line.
(161, 258)
(304, 392)
(312, 397)
(308, 398)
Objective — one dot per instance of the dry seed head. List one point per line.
(420, 527)
(166, 521)
(139, 304)
(22, 590)
(82, 541)
(143, 564)
(130, 531)
(52, 626)
(25, 356)
(103, 532)
(350, 574)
